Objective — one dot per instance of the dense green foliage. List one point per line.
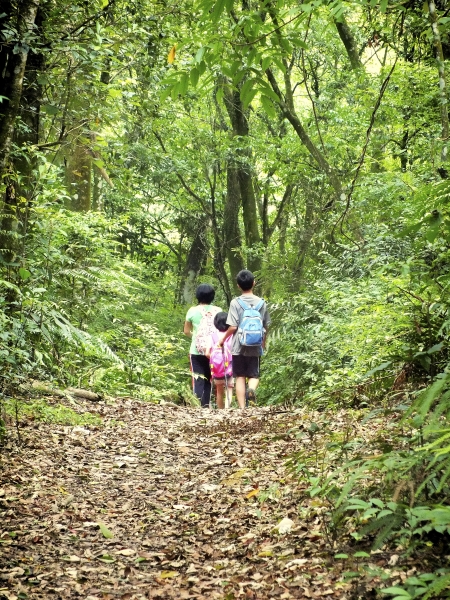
(152, 147)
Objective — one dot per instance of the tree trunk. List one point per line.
(442, 81)
(29, 113)
(79, 178)
(304, 241)
(196, 260)
(9, 232)
(20, 185)
(231, 232)
(96, 183)
(19, 16)
(240, 126)
(346, 35)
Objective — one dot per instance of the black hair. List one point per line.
(220, 321)
(205, 293)
(245, 280)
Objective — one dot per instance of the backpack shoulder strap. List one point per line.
(243, 304)
(260, 304)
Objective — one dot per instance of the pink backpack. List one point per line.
(220, 359)
(206, 328)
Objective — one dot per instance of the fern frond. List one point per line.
(349, 484)
(80, 275)
(438, 586)
(387, 521)
(392, 523)
(107, 351)
(423, 402)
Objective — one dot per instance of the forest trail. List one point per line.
(160, 502)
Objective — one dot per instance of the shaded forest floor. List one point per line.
(166, 502)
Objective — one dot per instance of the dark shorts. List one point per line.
(245, 366)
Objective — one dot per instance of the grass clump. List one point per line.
(44, 411)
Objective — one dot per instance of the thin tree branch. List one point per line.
(312, 103)
(286, 197)
(189, 190)
(341, 219)
(278, 28)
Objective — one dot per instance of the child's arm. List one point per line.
(209, 347)
(187, 328)
(228, 333)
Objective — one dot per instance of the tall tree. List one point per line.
(16, 36)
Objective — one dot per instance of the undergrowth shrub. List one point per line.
(74, 309)
(324, 342)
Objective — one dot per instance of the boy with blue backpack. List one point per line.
(248, 320)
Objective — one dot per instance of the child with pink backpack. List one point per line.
(220, 362)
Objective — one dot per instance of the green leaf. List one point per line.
(424, 401)
(383, 5)
(200, 54)
(249, 97)
(279, 63)
(396, 590)
(435, 348)
(106, 558)
(194, 76)
(268, 91)
(239, 75)
(378, 368)
(266, 62)
(105, 531)
(268, 106)
(49, 109)
(218, 10)
(165, 93)
(114, 93)
(24, 273)
(184, 84)
(378, 502)
(219, 94)
(246, 88)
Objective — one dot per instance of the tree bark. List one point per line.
(79, 178)
(231, 232)
(20, 184)
(442, 81)
(348, 39)
(29, 113)
(304, 241)
(20, 16)
(240, 126)
(195, 261)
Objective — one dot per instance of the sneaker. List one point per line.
(250, 397)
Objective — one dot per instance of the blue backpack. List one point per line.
(251, 328)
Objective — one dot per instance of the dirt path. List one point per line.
(159, 502)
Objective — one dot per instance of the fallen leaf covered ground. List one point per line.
(166, 502)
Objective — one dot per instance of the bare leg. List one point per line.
(240, 391)
(220, 387)
(228, 396)
(253, 383)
